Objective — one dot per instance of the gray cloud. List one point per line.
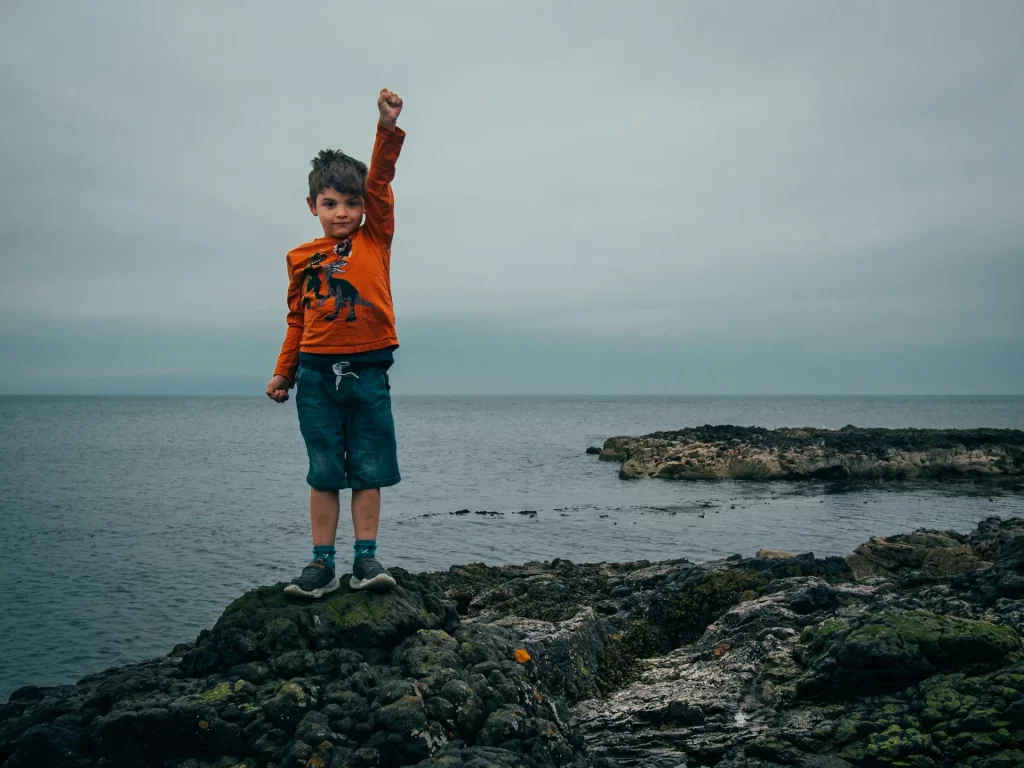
(731, 197)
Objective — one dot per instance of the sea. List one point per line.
(128, 524)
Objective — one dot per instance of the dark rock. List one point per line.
(907, 653)
(502, 726)
(47, 745)
(298, 753)
(255, 672)
(28, 693)
(366, 757)
(314, 728)
(440, 709)
(470, 709)
(294, 664)
(288, 707)
(1004, 580)
(406, 715)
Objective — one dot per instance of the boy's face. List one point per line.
(340, 215)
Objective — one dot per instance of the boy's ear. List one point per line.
(312, 205)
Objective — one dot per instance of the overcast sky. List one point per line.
(666, 197)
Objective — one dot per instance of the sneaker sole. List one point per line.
(313, 594)
(380, 581)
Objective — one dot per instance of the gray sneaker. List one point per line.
(316, 580)
(367, 573)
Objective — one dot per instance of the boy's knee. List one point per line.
(333, 492)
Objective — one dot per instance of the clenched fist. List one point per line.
(389, 104)
(277, 389)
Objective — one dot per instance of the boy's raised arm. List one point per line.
(380, 202)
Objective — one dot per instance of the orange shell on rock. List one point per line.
(522, 656)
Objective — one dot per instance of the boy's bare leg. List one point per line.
(365, 513)
(324, 509)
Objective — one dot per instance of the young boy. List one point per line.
(339, 345)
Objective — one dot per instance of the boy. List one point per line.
(339, 345)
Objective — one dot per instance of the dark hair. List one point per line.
(333, 169)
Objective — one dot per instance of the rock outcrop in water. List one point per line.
(906, 653)
(850, 453)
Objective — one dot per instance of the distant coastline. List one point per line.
(807, 453)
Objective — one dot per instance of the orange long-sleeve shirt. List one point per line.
(339, 291)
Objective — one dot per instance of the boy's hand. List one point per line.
(389, 104)
(277, 389)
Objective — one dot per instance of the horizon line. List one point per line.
(534, 395)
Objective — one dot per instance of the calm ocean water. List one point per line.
(128, 524)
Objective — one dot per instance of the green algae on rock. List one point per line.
(888, 650)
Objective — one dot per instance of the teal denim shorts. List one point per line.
(346, 422)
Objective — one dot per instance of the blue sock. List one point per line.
(366, 548)
(325, 552)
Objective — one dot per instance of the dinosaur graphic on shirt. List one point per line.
(342, 291)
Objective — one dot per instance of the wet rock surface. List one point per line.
(850, 453)
(905, 653)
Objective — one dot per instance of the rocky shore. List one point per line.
(850, 453)
(906, 653)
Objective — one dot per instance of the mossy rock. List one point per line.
(817, 639)
(428, 651)
(897, 745)
(953, 719)
(265, 623)
(888, 650)
(623, 654)
(684, 618)
(1007, 758)
(217, 693)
